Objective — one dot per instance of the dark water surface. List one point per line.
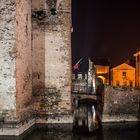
(108, 132)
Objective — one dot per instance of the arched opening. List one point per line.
(103, 79)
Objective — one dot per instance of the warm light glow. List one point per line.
(103, 78)
(102, 69)
(136, 54)
(103, 73)
(123, 75)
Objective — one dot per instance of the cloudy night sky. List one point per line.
(105, 29)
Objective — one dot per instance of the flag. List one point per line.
(76, 66)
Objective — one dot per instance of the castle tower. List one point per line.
(51, 44)
(15, 66)
(35, 63)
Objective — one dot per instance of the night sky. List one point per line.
(105, 29)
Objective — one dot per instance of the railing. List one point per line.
(81, 89)
(81, 86)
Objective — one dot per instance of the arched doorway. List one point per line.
(101, 78)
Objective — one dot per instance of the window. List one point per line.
(124, 78)
(124, 74)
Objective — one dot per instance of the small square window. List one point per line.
(123, 73)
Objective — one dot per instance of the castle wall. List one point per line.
(7, 58)
(16, 102)
(52, 59)
(24, 97)
(121, 106)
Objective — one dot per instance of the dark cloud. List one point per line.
(105, 29)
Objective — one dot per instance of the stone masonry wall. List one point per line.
(7, 58)
(35, 63)
(52, 57)
(48, 53)
(38, 47)
(15, 58)
(121, 105)
(24, 97)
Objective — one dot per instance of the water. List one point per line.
(108, 132)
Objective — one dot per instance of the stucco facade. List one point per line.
(123, 75)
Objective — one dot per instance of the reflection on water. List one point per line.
(63, 135)
(121, 132)
(108, 132)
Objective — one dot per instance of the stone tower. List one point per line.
(35, 63)
(51, 45)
